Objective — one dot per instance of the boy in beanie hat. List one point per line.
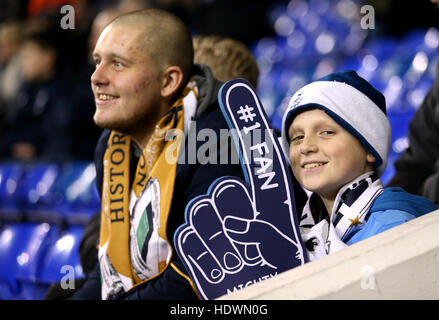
(337, 136)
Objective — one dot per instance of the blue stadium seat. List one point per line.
(82, 195)
(34, 190)
(11, 175)
(22, 247)
(62, 261)
(72, 196)
(60, 258)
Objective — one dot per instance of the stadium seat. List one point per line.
(70, 197)
(11, 175)
(22, 247)
(35, 189)
(59, 261)
(62, 261)
(82, 195)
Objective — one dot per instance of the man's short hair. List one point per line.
(227, 58)
(167, 38)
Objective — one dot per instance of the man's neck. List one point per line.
(142, 136)
(142, 140)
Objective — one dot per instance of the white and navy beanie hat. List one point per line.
(354, 104)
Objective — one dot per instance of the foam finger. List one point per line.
(198, 258)
(263, 161)
(209, 228)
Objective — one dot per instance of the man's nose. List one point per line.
(99, 77)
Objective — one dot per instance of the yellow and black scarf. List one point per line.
(133, 246)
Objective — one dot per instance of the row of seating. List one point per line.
(48, 192)
(44, 208)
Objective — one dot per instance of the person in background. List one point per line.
(10, 73)
(50, 118)
(337, 135)
(417, 169)
(227, 58)
(39, 125)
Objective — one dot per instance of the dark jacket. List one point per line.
(417, 169)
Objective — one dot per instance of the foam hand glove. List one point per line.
(243, 232)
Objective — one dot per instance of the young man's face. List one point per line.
(324, 156)
(126, 84)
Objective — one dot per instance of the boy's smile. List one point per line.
(324, 156)
(311, 166)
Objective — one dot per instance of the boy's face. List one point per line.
(324, 156)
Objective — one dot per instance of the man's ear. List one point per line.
(171, 81)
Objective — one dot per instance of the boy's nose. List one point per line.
(308, 145)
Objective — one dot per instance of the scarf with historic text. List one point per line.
(349, 214)
(133, 246)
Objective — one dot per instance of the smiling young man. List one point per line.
(136, 80)
(145, 84)
(337, 136)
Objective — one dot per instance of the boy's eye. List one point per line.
(328, 132)
(297, 138)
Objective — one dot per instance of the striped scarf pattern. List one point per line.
(349, 214)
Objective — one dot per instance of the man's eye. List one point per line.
(118, 65)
